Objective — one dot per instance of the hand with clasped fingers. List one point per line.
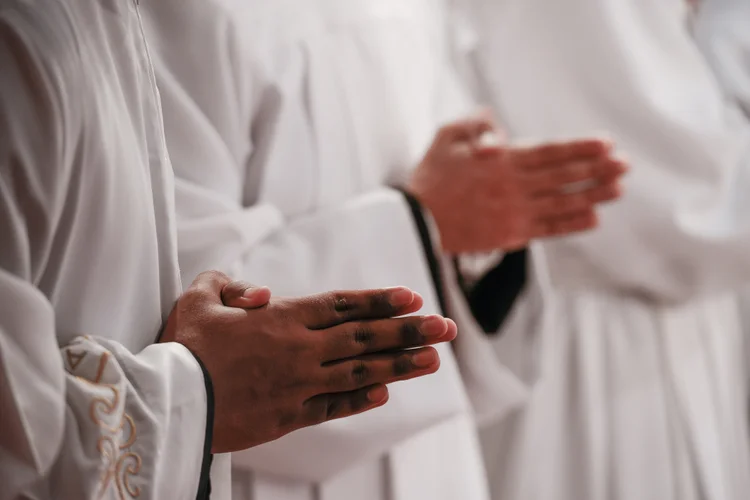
(486, 196)
(282, 364)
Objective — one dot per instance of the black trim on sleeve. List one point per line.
(429, 250)
(204, 485)
(493, 296)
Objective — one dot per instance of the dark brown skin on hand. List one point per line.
(486, 198)
(281, 364)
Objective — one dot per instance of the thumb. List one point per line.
(489, 142)
(466, 130)
(490, 139)
(244, 295)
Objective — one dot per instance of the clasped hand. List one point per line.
(487, 197)
(281, 364)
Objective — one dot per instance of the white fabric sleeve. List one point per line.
(89, 419)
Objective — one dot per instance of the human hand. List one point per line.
(299, 362)
(487, 197)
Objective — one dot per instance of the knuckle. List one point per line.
(316, 410)
(411, 334)
(212, 276)
(402, 365)
(379, 303)
(340, 303)
(321, 306)
(192, 295)
(284, 313)
(360, 373)
(334, 408)
(363, 335)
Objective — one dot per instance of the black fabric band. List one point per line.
(204, 485)
(429, 250)
(492, 297)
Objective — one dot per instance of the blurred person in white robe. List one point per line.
(721, 29)
(92, 405)
(288, 124)
(641, 393)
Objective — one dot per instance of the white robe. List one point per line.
(721, 29)
(88, 247)
(641, 394)
(285, 121)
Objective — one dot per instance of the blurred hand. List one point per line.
(487, 196)
(292, 363)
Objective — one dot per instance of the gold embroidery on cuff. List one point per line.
(74, 359)
(102, 365)
(121, 464)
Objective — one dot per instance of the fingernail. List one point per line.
(251, 292)
(424, 359)
(401, 297)
(377, 394)
(489, 139)
(452, 326)
(434, 327)
(622, 162)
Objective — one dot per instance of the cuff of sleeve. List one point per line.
(423, 228)
(492, 298)
(204, 485)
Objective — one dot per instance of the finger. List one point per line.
(568, 204)
(385, 368)
(366, 337)
(469, 129)
(208, 286)
(345, 404)
(334, 308)
(490, 142)
(555, 153)
(245, 295)
(547, 181)
(604, 193)
(559, 226)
